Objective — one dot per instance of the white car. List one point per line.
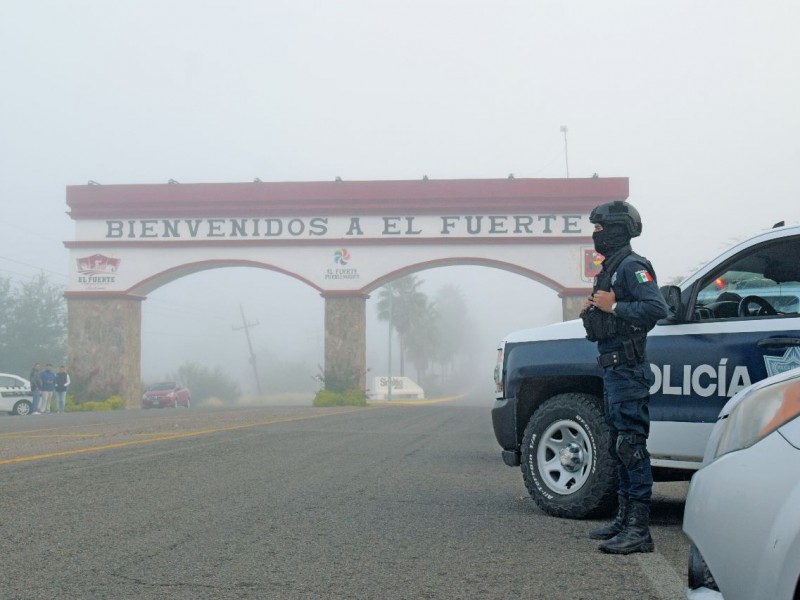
(743, 508)
(15, 394)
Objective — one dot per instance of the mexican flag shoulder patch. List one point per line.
(643, 276)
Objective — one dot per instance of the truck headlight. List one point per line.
(757, 415)
(498, 370)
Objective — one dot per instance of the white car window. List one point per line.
(9, 382)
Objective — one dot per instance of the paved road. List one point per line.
(391, 501)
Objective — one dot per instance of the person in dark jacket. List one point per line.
(62, 383)
(625, 304)
(36, 389)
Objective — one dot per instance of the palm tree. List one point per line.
(401, 304)
(423, 339)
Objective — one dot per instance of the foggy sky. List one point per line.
(695, 102)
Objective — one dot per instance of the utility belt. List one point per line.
(632, 353)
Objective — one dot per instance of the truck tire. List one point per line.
(565, 460)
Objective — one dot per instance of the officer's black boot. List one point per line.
(612, 528)
(636, 535)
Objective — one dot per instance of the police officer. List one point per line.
(625, 304)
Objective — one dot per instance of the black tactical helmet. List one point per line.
(618, 212)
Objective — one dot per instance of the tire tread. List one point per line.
(598, 495)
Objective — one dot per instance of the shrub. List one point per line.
(338, 379)
(355, 397)
(351, 397)
(110, 403)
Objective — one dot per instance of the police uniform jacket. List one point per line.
(639, 301)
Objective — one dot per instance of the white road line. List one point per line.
(668, 584)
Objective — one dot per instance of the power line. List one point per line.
(167, 307)
(24, 264)
(29, 231)
(21, 275)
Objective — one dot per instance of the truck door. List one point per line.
(742, 324)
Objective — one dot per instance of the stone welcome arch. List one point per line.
(344, 239)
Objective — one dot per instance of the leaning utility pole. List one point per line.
(246, 326)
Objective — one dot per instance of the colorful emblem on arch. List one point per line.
(341, 256)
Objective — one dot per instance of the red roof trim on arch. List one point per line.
(337, 241)
(444, 196)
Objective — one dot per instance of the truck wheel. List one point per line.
(565, 460)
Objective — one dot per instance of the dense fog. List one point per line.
(198, 319)
(694, 103)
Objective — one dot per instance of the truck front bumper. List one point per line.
(504, 421)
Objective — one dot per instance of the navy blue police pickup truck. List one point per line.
(733, 322)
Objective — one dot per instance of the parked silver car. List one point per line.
(15, 394)
(743, 507)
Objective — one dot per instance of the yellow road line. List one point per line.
(25, 432)
(167, 437)
(63, 435)
(415, 402)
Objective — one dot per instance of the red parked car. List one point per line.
(166, 393)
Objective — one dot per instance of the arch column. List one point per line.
(104, 341)
(572, 302)
(346, 335)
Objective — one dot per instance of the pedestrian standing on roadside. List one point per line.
(48, 387)
(62, 382)
(625, 304)
(36, 388)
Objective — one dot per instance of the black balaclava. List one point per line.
(611, 238)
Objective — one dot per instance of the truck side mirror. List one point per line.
(672, 295)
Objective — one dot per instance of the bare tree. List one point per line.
(33, 326)
(453, 325)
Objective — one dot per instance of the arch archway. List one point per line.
(156, 280)
(472, 261)
(344, 239)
